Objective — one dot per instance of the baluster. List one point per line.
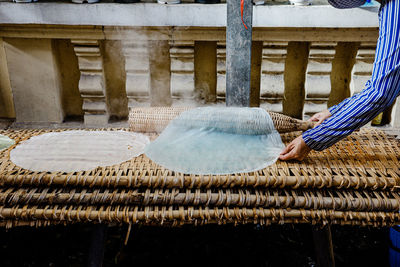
(182, 71)
(115, 79)
(137, 72)
(342, 66)
(69, 74)
(272, 77)
(363, 65)
(318, 79)
(295, 75)
(255, 75)
(160, 73)
(221, 70)
(91, 83)
(362, 69)
(205, 69)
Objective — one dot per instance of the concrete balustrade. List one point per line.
(53, 69)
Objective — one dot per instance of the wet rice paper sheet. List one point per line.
(5, 142)
(216, 140)
(72, 151)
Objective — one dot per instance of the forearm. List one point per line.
(359, 110)
(380, 91)
(339, 106)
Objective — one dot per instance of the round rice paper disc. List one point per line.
(5, 142)
(215, 140)
(72, 151)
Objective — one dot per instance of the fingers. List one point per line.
(286, 150)
(315, 117)
(289, 152)
(288, 156)
(319, 122)
(297, 150)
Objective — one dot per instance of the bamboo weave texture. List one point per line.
(354, 182)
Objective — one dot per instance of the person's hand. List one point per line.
(297, 149)
(320, 117)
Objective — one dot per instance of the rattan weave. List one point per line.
(352, 183)
(349, 200)
(367, 159)
(160, 215)
(155, 119)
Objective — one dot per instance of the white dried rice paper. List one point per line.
(80, 150)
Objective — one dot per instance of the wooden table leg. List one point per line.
(97, 244)
(323, 246)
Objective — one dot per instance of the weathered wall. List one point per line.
(6, 99)
(33, 78)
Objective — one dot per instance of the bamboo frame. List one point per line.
(297, 199)
(190, 215)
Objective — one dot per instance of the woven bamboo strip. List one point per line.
(8, 224)
(368, 159)
(155, 119)
(343, 200)
(166, 179)
(182, 215)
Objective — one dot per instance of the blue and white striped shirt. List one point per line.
(380, 91)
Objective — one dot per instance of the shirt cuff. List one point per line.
(310, 142)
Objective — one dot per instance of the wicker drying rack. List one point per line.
(354, 182)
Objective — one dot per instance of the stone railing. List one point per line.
(60, 61)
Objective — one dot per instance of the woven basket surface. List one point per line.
(352, 183)
(366, 159)
(155, 119)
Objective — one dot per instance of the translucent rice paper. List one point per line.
(217, 140)
(72, 151)
(5, 142)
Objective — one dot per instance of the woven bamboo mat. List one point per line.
(344, 200)
(175, 216)
(352, 183)
(367, 159)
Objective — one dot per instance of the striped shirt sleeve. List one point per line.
(379, 93)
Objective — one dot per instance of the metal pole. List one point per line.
(238, 53)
